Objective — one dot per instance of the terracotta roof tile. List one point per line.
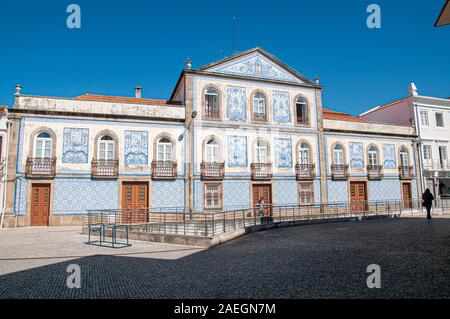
(334, 115)
(123, 99)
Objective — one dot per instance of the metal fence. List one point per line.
(177, 221)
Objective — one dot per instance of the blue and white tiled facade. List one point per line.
(136, 128)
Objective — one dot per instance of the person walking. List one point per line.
(261, 207)
(427, 201)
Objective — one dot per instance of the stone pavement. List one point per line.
(25, 248)
(314, 261)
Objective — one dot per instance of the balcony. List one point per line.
(405, 172)
(302, 121)
(211, 114)
(305, 171)
(339, 171)
(212, 170)
(41, 167)
(105, 168)
(261, 171)
(259, 117)
(374, 171)
(429, 165)
(164, 170)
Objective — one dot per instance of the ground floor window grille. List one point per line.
(306, 194)
(213, 196)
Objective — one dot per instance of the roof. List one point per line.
(263, 52)
(377, 108)
(123, 99)
(444, 15)
(334, 115)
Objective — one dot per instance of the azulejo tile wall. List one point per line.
(356, 155)
(198, 196)
(237, 151)
(167, 194)
(389, 161)
(256, 65)
(285, 192)
(75, 196)
(236, 194)
(236, 103)
(75, 145)
(281, 107)
(384, 189)
(337, 191)
(283, 152)
(136, 148)
(21, 196)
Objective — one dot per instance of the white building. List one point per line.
(431, 118)
(3, 149)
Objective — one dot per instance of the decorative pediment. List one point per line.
(255, 65)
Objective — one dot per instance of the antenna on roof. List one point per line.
(234, 36)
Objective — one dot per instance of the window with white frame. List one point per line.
(404, 157)
(424, 118)
(259, 104)
(213, 196)
(164, 150)
(373, 156)
(427, 153)
(338, 154)
(43, 145)
(212, 103)
(443, 154)
(106, 148)
(261, 152)
(306, 194)
(439, 119)
(304, 156)
(301, 107)
(212, 151)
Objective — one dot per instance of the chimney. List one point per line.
(18, 89)
(412, 89)
(138, 92)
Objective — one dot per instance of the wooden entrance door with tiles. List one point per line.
(406, 190)
(358, 196)
(263, 191)
(40, 204)
(134, 202)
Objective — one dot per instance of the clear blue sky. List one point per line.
(124, 43)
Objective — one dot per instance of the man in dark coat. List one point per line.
(427, 201)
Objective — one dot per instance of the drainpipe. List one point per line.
(419, 147)
(5, 176)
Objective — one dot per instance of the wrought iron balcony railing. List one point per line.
(303, 120)
(305, 171)
(405, 172)
(164, 169)
(261, 171)
(212, 170)
(430, 165)
(260, 117)
(105, 168)
(339, 171)
(375, 171)
(41, 167)
(213, 114)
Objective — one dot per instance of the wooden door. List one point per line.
(40, 204)
(358, 196)
(263, 191)
(134, 202)
(406, 190)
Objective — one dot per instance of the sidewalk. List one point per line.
(26, 248)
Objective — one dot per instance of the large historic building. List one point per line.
(232, 132)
